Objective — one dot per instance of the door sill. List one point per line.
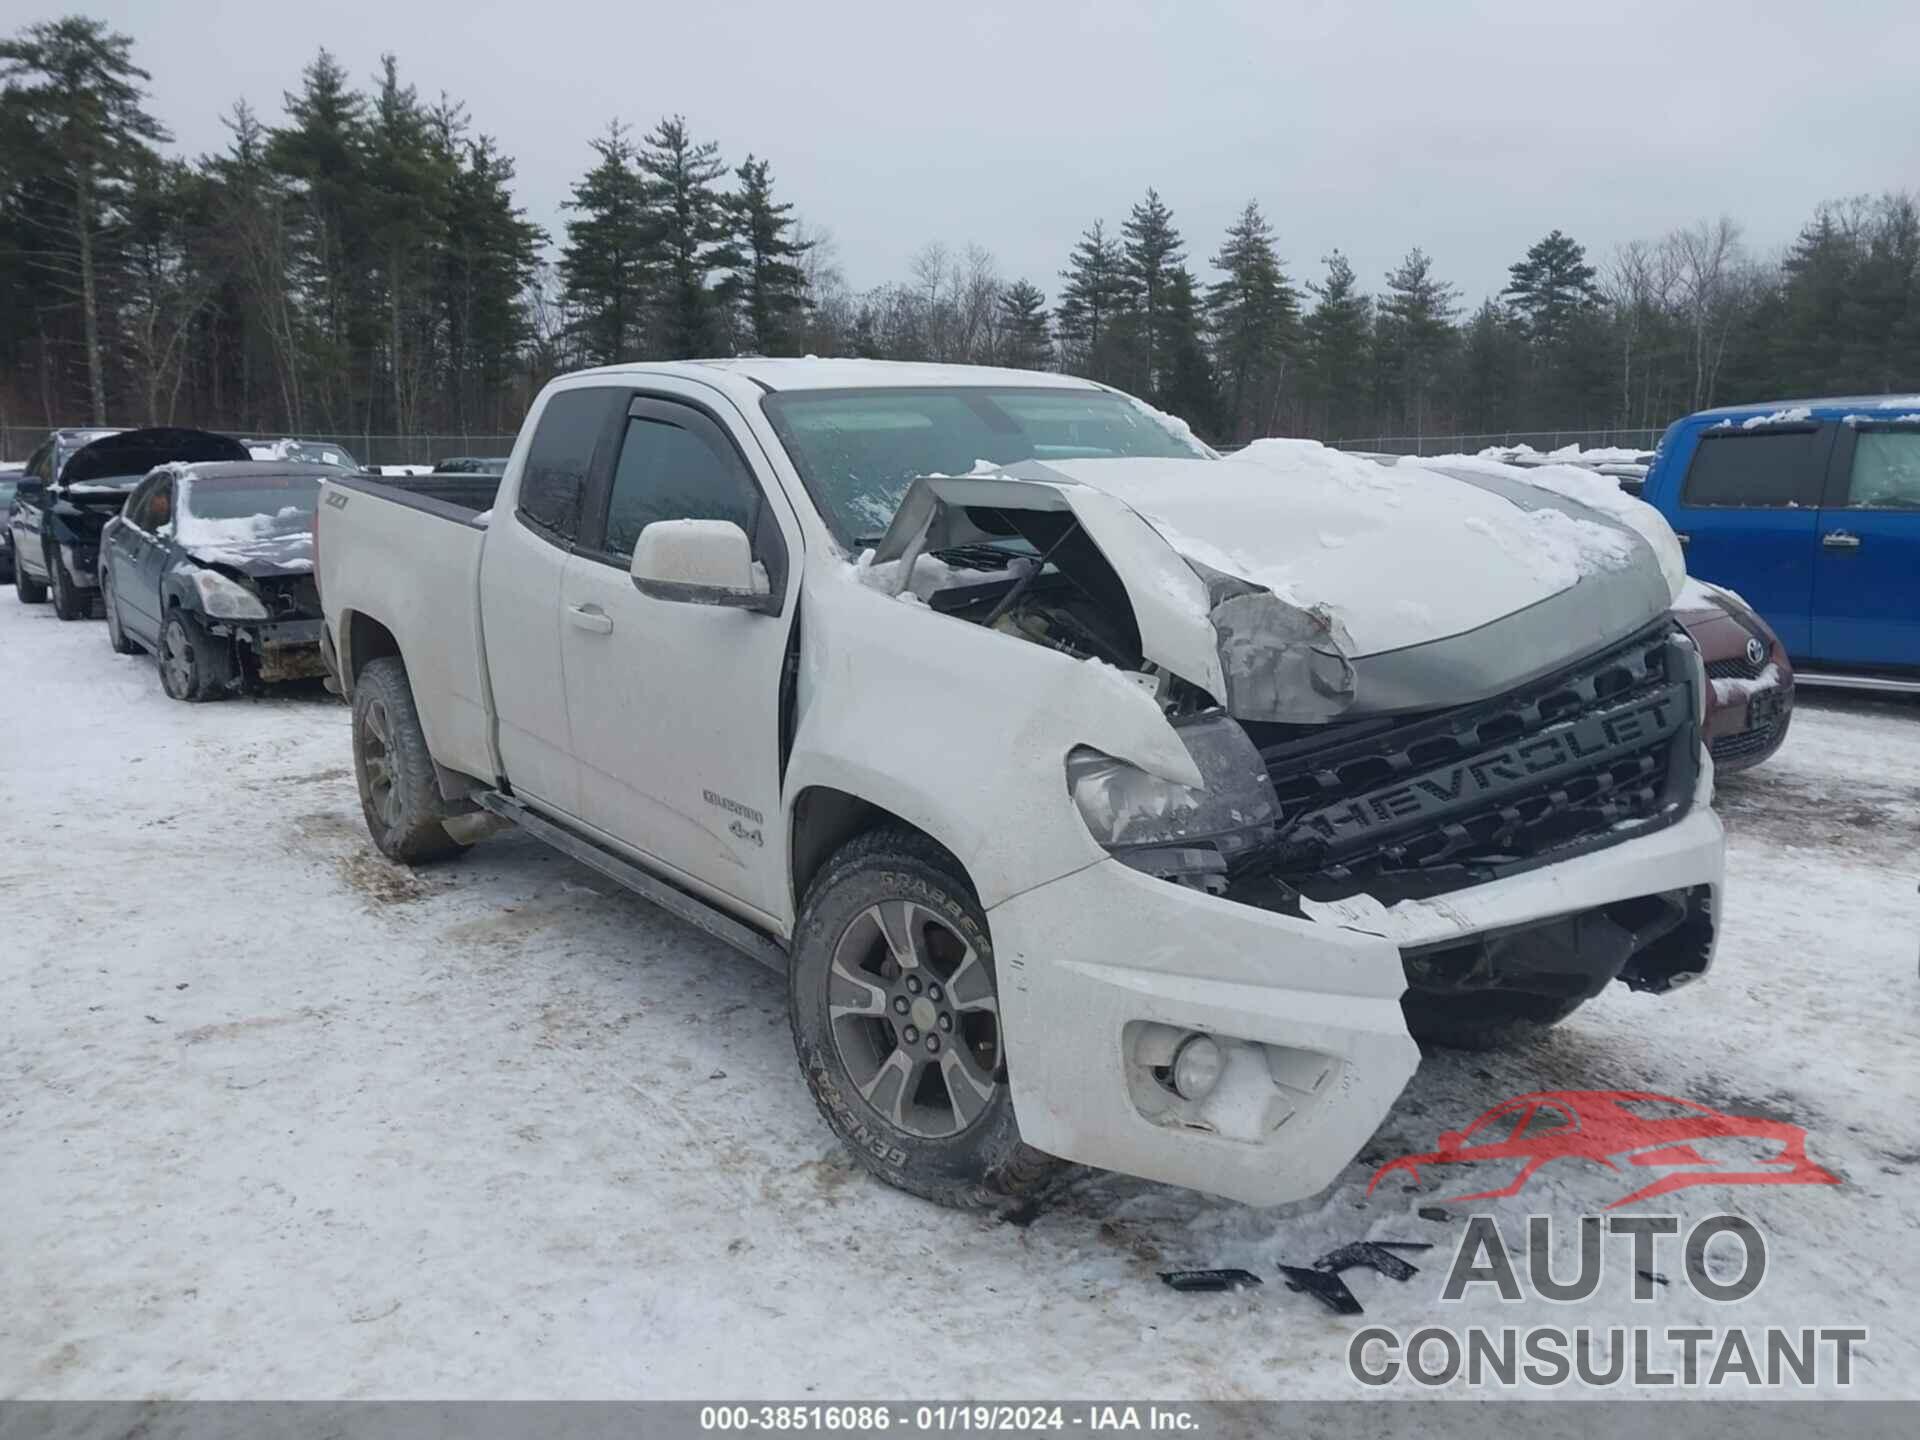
(623, 872)
(1835, 680)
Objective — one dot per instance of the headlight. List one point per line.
(1231, 813)
(225, 600)
(1123, 805)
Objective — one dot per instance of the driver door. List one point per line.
(674, 707)
(135, 556)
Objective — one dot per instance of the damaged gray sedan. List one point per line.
(209, 567)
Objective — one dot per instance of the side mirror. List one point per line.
(29, 488)
(702, 562)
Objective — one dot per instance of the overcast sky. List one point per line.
(1469, 130)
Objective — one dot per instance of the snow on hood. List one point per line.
(255, 544)
(1591, 489)
(1402, 555)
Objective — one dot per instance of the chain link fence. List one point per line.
(1642, 441)
(17, 442)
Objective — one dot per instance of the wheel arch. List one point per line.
(362, 640)
(823, 818)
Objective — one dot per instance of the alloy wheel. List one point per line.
(177, 660)
(913, 1015)
(376, 755)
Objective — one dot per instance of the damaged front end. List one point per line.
(271, 622)
(1329, 790)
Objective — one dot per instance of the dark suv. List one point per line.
(73, 484)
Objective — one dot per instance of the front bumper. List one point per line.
(281, 649)
(1101, 970)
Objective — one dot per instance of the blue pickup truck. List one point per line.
(1810, 510)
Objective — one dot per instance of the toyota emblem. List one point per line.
(1756, 652)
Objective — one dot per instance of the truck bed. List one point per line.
(407, 550)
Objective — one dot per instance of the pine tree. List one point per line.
(322, 156)
(79, 125)
(1414, 336)
(1024, 341)
(1552, 295)
(1489, 364)
(1187, 386)
(610, 257)
(408, 179)
(488, 251)
(764, 283)
(1090, 300)
(1151, 251)
(1339, 341)
(1253, 313)
(1550, 285)
(692, 226)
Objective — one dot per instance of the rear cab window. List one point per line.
(553, 483)
(1762, 468)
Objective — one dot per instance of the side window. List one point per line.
(1764, 470)
(158, 510)
(670, 471)
(40, 463)
(560, 457)
(137, 502)
(1886, 471)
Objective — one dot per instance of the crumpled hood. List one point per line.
(1402, 555)
(1296, 584)
(274, 555)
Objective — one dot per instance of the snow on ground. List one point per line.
(280, 1119)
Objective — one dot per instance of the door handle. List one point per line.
(590, 618)
(1840, 540)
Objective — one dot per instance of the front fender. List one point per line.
(961, 731)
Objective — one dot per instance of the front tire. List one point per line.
(68, 602)
(194, 665)
(895, 1015)
(399, 793)
(116, 635)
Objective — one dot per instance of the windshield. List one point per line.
(6, 492)
(859, 450)
(242, 511)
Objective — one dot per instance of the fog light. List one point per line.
(1197, 1066)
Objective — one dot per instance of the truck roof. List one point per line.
(813, 373)
(1831, 407)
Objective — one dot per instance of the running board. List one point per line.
(668, 896)
(1886, 684)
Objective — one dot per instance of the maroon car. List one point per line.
(1750, 680)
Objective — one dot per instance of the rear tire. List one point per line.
(399, 793)
(29, 590)
(1484, 1019)
(194, 665)
(116, 635)
(68, 602)
(925, 1106)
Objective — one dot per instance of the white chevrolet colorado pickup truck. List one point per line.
(1100, 798)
